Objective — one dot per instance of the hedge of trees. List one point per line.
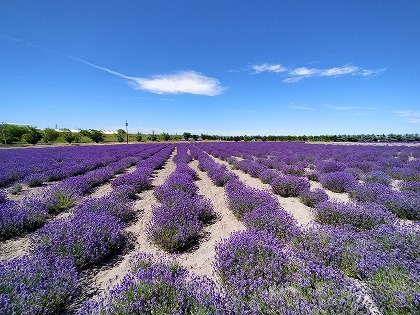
(11, 134)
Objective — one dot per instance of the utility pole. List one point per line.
(126, 129)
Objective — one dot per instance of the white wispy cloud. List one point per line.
(268, 67)
(184, 82)
(301, 107)
(295, 74)
(341, 108)
(410, 116)
(190, 82)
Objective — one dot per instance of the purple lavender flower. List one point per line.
(85, 238)
(36, 284)
(363, 216)
(290, 186)
(276, 222)
(338, 181)
(159, 286)
(120, 208)
(174, 228)
(313, 197)
(18, 218)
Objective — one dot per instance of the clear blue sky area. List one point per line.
(216, 67)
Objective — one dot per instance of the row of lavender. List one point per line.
(18, 217)
(260, 270)
(366, 179)
(34, 166)
(157, 284)
(361, 241)
(177, 222)
(47, 279)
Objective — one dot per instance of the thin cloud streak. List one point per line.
(298, 73)
(267, 67)
(301, 107)
(410, 116)
(184, 82)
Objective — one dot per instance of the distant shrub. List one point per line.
(362, 216)
(96, 135)
(338, 181)
(330, 166)
(32, 135)
(36, 284)
(290, 185)
(313, 197)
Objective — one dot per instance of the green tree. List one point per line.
(166, 136)
(139, 137)
(96, 135)
(121, 135)
(50, 135)
(186, 136)
(152, 137)
(12, 133)
(32, 135)
(84, 133)
(68, 136)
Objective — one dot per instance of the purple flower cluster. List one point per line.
(18, 218)
(363, 216)
(405, 204)
(117, 206)
(217, 173)
(311, 198)
(260, 211)
(338, 181)
(263, 277)
(86, 238)
(156, 285)
(290, 185)
(36, 284)
(386, 258)
(177, 223)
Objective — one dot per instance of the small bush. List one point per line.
(290, 186)
(338, 181)
(314, 197)
(361, 216)
(36, 284)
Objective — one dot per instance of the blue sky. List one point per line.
(216, 67)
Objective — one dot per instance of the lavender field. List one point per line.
(210, 228)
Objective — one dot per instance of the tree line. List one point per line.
(11, 134)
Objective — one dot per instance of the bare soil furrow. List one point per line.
(200, 261)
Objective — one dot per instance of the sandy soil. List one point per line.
(302, 214)
(200, 261)
(144, 205)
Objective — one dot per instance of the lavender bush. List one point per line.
(120, 207)
(338, 181)
(159, 286)
(290, 186)
(174, 228)
(362, 216)
(85, 238)
(36, 285)
(18, 218)
(311, 198)
(275, 221)
(377, 177)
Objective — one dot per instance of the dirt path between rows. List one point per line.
(302, 214)
(144, 205)
(200, 261)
